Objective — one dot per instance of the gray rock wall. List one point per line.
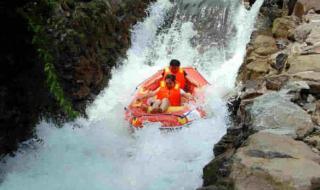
(274, 140)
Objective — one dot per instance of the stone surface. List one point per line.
(308, 75)
(286, 59)
(283, 27)
(313, 141)
(274, 113)
(316, 115)
(252, 89)
(276, 82)
(303, 6)
(264, 45)
(314, 36)
(270, 161)
(302, 32)
(304, 63)
(279, 62)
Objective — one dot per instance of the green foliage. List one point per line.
(42, 41)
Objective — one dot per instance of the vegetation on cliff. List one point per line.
(59, 55)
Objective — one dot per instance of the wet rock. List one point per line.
(217, 170)
(274, 113)
(270, 161)
(90, 73)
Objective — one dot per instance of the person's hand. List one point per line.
(140, 98)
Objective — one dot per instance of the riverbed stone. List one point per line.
(302, 32)
(275, 113)
(276, 82)
(283, 27)
(316, 114)
(303, 6)
(274, 162)
(314, 36)
(308, 75)
(304, 63)
(265, 45)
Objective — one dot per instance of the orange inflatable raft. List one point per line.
(175, 116)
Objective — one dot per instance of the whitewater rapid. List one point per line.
(99, 153)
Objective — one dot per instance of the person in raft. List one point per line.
(179, 73)
(167, 94)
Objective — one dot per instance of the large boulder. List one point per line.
(304, 63)
(265, 45)
(302, 32)
(314, 36)
(275, 162)
(283, 27)
(257, 62)
(276, 82)
(273, 112)
(308, 75)
(303, 6)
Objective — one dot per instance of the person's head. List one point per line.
(170, 81)
(174, 65)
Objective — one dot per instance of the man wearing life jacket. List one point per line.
(168, 94)
(178, 72)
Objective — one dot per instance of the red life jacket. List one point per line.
(180, 78)
(172, 94)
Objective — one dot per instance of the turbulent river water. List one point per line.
(99, 153)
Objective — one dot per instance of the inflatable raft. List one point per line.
(175, 116)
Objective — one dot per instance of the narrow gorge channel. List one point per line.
(100, 153)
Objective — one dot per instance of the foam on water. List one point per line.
(101, 154)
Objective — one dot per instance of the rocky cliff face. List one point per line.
(274, 142)
(82, 40)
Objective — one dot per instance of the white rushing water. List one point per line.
(100, 154)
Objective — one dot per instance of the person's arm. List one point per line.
(185, 94)
(148, 94)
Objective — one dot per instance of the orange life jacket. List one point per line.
(172, 94)
(180, 78)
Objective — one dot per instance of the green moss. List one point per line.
(37, 15)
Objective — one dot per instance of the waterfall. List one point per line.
(100, 153)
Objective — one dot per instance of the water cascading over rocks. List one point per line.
(99, 152)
